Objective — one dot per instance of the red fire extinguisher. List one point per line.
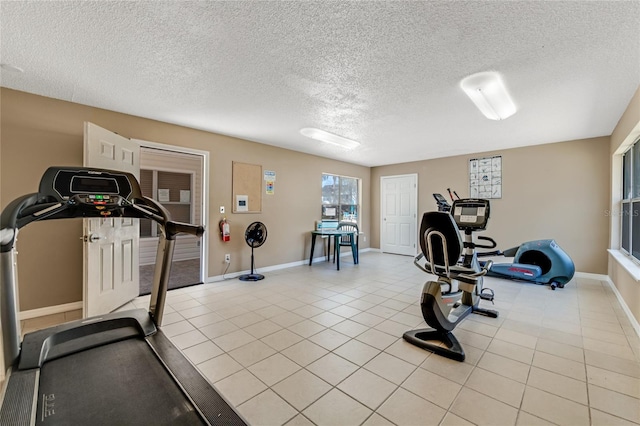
(225, 230)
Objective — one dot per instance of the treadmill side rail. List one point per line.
(213, 408)
(20, 398)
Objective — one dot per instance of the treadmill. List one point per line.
(114, 369)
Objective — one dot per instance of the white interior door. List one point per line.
(111, 247)
(399, 212)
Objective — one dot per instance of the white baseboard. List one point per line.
(625, 308)
(623, 304)
(601, 277)
(265, 269)
(217, 278)
(50, 310)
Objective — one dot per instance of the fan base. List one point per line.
(251, 277)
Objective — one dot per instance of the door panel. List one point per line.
(111, 247)
(405, 234)
(399, 220)
(106, 266)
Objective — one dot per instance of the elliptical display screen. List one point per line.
(471, 213)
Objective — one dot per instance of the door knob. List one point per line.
(91, 238)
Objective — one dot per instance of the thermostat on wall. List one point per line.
(242, 203)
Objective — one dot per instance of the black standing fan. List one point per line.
(255, 236)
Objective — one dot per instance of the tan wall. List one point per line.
(627, 127)
(561, 179)
(558, 191)
(626, 132)
(38, 132)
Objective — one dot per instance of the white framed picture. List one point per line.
(163, 195)
(242, 203)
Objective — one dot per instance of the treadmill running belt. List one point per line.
(121, 383)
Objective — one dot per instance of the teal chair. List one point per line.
(346, 240)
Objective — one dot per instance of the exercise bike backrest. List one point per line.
(440, 242)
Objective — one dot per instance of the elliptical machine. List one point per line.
(540, 261)
(458, 290)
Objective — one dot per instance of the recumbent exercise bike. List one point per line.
(458, 289)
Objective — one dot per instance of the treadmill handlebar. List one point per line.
(34, 207)
(6, 236)
(175, 228)
(9, 219)
(152, 209)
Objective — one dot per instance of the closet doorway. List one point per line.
(175, 178)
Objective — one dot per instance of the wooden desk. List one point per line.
(336, 234)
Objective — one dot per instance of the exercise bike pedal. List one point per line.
(487, 296)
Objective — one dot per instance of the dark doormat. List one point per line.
(183, 274)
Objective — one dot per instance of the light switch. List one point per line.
(222, 209)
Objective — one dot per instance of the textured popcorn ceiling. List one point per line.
(383, 73)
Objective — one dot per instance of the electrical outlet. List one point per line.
(365, 238)
(227, 258)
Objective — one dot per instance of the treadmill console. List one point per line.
(471, 213)
(95, 192)
(98, 201)
(65, 183)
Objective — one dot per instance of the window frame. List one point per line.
(629, 207)
(339, 204)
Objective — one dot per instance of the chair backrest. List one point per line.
(439, 257)
(347, 226)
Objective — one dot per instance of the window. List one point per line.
(340, 198)
(630, 205)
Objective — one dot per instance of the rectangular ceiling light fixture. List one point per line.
(321, 135)
(488, 93)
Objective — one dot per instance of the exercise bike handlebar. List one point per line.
(474, 275)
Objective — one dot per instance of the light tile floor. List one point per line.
(38, 323)
(312, 345)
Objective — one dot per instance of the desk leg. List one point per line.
(335, 247)
(313, 246)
